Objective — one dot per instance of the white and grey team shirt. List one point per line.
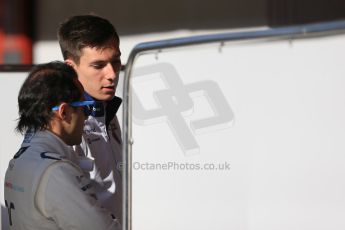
(99, 154)
(45, 190)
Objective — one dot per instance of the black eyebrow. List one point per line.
(114, 58)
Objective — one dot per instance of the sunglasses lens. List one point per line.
(87, 110)
(87, 106)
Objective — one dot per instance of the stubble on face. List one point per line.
(98, 71)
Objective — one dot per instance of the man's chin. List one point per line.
(104, 97)
(108, 97)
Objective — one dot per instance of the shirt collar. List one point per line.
(49, 141)
(111, 107)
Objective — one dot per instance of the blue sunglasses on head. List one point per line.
(87, 106)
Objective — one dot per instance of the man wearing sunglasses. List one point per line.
(90, 44)
(44, 189)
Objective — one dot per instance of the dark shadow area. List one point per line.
(137, 16)
(294, 12)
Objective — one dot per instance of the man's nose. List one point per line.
(111, 72)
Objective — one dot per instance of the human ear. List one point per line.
(64, 112)
(70, 62)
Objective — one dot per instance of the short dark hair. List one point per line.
(83, 31)
(46, 86)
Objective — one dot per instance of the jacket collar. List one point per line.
(49, 141)
(107, 108)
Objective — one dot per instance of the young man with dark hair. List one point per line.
(44, 189)
(90, 45)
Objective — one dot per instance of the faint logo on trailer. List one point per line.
(177, 101)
